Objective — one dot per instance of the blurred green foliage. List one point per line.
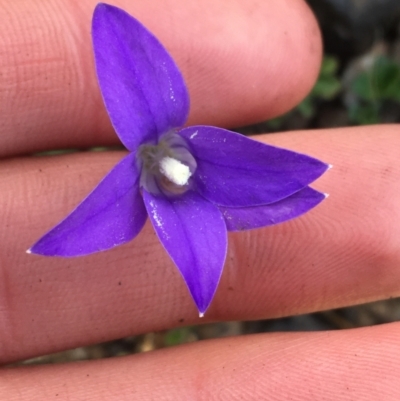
(373, 89)
(327, 87)
(56, 152)
(366, 97)
(177, 336)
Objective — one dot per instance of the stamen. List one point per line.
(177, 172)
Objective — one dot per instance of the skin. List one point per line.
(244, 61)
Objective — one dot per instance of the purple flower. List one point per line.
(194, 183)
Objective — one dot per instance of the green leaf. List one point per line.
(177, 336)
(364, 114)
(277, 122)
(326, 88)
(306, 107)
(362, 87)
(329, 66)
(381, 82)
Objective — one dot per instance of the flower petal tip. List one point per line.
(141, 85)
(329, 166)
(201, 314)
(326, 195)
(250, 173)
(29, 251)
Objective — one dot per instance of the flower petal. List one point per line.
(112, 214)
(143, 89)
(239, 219)
(236, 171)
(193, 232)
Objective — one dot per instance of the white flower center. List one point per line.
(166, 167)
(175, 171)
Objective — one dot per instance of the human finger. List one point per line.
(345, 251)
(243, 61)
(356, 365)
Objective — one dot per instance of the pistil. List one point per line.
(167, 166)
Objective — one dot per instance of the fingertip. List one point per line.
(244, 63)
(272, 63)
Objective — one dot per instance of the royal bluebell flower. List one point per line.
(194, 183)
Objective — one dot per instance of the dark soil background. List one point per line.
(359, 83)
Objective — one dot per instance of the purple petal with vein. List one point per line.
(142, 88)
(112, 214)
(193, 232)
(236, 171)
(239, 219)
